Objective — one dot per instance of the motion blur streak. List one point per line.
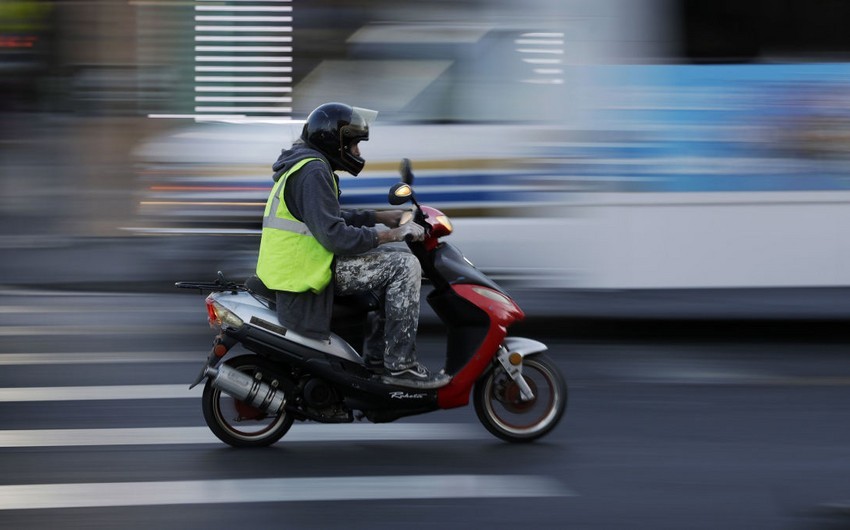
(277, 490)
(88, 393)
(197, 435)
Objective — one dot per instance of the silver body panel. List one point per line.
(247, 307)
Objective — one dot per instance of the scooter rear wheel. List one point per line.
(235, 422)
(498, 405)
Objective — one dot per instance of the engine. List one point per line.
(321, 402)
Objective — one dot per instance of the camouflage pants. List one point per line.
(395, 275)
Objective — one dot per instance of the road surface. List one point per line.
(99, 430)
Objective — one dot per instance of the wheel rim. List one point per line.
(508, 413)
(241, 420)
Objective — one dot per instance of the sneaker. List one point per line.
(416, 376)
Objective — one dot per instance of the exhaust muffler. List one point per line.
(243, 387)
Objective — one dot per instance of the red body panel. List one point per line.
(438, 229)
(456, 393)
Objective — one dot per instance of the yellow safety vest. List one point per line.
(291, 259)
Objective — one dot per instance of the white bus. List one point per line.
(595, 145)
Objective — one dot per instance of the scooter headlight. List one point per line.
(445, 223)
(496, 296)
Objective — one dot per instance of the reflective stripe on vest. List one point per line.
(291, 259)
(271, 220)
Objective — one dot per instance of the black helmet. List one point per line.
(332, 128)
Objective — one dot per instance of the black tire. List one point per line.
(237, 423)
(497, 403)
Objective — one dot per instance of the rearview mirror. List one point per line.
(400, 193)
(406, 171)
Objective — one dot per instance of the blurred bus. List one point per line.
(582, 144)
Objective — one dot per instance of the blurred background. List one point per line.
(676, 156)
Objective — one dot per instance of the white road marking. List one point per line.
(6, 290)
(53, 309)
(95, 331)
(309, 432)
(52, 496)
(23, 359)
(88, 393)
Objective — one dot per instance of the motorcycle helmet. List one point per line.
(333, 128)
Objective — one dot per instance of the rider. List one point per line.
(311, 249)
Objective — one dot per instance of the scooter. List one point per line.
(252, 400)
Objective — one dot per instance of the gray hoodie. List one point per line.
(311, 198)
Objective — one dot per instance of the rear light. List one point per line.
(221, 316)
(211, 316)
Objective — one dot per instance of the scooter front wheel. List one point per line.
(239, 424)
(499, 406)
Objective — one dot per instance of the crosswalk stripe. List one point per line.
(53, 309)
(71, 330)
(144, 357)
(51, 496)
(308, 432)
(88, 393)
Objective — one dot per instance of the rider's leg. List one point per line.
(396, 277)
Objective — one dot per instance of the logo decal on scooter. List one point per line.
(405, 395)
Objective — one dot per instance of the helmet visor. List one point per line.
(367, 116)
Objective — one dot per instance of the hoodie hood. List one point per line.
(289, 157)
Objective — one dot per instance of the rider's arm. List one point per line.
(388, 218)
(358, 217)
(315, 202)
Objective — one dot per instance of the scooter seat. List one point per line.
(256, 287)
(343, 305)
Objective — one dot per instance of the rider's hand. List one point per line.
(389, 218)
(409, 231)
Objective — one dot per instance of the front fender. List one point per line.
(523, 346)
(505, 357)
